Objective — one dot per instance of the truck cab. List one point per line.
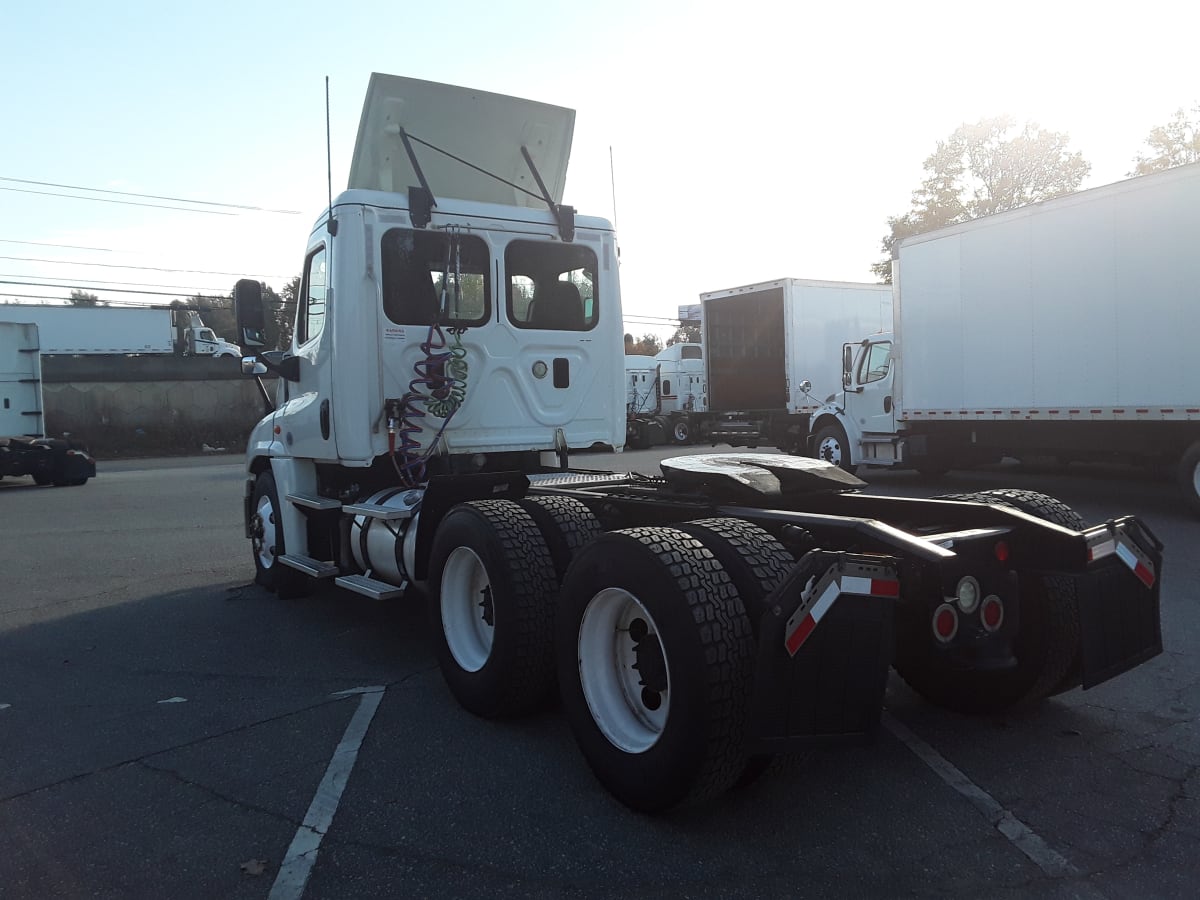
(858, 426)
(447, 322)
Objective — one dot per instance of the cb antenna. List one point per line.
(612, 177)
(330, 224)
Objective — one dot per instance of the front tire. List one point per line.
(491, 605)
(655, 661)
(681, 432)
(831, 445)
(266, 536)
(1189, 476)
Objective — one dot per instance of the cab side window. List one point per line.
(875, 362)
(310, 318)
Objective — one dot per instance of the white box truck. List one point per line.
(459, 334)
(120, 330)
(1059, 329)
(25, 448)
(772, 353)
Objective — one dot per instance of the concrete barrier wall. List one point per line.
(145, 406)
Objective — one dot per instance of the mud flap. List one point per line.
(824, 649)
(1119, 620)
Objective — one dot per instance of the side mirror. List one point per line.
(805, 386)
(251, 318)
(847, 364)
(251, 366)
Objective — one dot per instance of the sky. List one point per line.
(730, 143)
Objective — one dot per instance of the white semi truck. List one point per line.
(667, 396)
(459, 336)
(1061, 329)
(120, 330)
(25, 448)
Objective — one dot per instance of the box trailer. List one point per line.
(25, 448)
(120, 330)
(1059, 329)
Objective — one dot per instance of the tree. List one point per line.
(83, 298)
(983, 169)
(686, 333)
(650, 344)
(1175, 144)
(285, 314)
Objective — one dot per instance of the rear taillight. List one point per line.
(945, 623)
(991, 613)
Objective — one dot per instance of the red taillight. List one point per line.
(991, 614)
(1001, 549)
(945, 623)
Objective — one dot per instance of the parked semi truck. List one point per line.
(458, 337)
(1060, 329)
(25, 448)
(668, 399)
(120, 330)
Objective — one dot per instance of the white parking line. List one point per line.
(302, 854)
(1022, 836)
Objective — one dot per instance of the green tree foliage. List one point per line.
(83, 298)
(1176, 143)
(985, 168)
(686, 333)
(285, 315)
(649, 344)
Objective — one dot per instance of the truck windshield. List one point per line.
(416, 263)
(551, 286)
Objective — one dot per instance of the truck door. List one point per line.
(305, 417)
(872, 406)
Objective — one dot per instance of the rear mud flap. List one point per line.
(1119, 620)
(825, 647)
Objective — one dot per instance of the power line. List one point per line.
(88, 289)
(69, 262)
(45, 244)
(43, 279)
(207, 212)
(76, 187)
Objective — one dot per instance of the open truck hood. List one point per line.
(486, 130)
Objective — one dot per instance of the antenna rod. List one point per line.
(612, 176)
(330, 225)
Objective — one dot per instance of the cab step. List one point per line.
(314, 501)
(309, 566)
(375, 511)
(369, 587)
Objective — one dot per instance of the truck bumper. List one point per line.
(1119, 618)
(824, 650)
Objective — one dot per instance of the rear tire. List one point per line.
(756, 564)
(491, 604)
(1046, 646)
(681, 432)
(566, 524)
(655, 661)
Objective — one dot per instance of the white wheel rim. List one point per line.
(613, 688)
(831, 450)
(265, 547)
(468, 613)
(681, 432)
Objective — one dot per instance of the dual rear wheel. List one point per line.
(648, 638)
